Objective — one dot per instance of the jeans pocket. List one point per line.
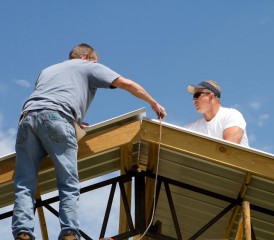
(56, 128)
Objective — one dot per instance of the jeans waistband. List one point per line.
(26, 112)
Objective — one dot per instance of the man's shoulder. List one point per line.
(78, 64)
(231, 114)
(227, 110)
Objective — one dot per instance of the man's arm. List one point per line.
(139, 92)
(233, 134)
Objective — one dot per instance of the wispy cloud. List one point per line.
(236, 105)
(7, 139)
(255, 105)
(262, 119)
(259, 118)
(251, 138)
(23, 83)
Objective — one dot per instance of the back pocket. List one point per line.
(56, 128)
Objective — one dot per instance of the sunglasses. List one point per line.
(198, 94)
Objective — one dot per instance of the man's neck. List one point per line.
(212, 113)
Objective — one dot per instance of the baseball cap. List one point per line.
(208, 84)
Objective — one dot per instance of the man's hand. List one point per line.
(139, 92)
(159, 110)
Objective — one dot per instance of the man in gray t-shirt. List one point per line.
(69, 87)
(62, 95)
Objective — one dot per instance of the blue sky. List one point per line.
(161, 44)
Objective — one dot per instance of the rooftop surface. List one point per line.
(202, 179)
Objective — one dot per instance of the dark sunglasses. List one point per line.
(198, 94)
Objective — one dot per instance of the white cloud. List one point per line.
(262, 119)
(236, 106)
(251, 138)
(7, 139)
(255, 105)
(23, 83)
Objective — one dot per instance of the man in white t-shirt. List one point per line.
(217, 121)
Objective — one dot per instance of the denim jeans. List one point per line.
(42, 133)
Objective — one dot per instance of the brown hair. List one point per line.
(78, 51)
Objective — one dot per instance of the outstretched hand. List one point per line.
(159, 110)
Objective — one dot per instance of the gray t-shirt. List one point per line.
(70, 87)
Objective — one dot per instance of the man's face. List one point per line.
(201, 100)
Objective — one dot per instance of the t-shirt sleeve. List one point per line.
(234, 118)
(101, 76)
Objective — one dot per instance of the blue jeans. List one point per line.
(42, 133)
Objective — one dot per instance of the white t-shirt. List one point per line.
(225, 118)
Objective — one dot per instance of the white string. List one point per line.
(156, 178)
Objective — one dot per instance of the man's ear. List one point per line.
(85, 56)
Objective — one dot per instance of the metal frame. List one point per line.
(140, 185)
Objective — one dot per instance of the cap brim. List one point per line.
(191, 88)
